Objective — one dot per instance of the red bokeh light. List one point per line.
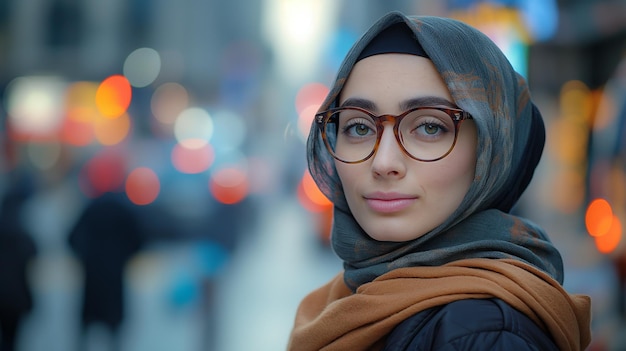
(310, 94)
(192, 161)
(104, 172)
(229, 185)
(142, 186)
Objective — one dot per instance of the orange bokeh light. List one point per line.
(112, 131)
(113, 96)
(598, 217)
(80, 101)
(142, 186)
(229, 185)
(310, 195)
(608, 242)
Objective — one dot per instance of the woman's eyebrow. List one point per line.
(360, 102)
(404, 105)
(426, 101)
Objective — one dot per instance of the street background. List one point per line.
(184, 123)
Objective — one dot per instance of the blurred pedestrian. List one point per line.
(619, 261)
(17, 252)
(424, 144)
(106, 236)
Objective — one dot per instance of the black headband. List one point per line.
(397, 39)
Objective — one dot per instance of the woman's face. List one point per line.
(392, 196)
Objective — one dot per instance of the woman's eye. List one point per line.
(360, 129)
(430, 128)
(357, 130)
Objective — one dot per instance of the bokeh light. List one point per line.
(576, 102)
(192, 161)
(541, 18)
(229, 185)
(502, 24)
(142, 67)
(113, 96)
(308, 100)
(81, 112)
(568, 145)
(194, 128)
(180, 111)
(608, 242)
(77, 133)
(142, 186)
(168, 102)
(570, 142)
(598, 217)
(34, 105)
(314, 201)
(310, 94)
(310, 196)
(112, 131)
(104, 172)
(80, 101)
(305, 121)
(297, 32)
(603, 225)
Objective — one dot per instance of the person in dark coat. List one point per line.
(424, 144)
(105, 237)
(17, 252)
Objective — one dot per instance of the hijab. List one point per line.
(511, 137)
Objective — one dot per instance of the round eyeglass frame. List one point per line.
(458, 115)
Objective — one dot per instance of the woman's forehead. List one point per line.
(393, 78)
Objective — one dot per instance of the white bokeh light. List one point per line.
(35, 104)
(193, 128)
(142, 67)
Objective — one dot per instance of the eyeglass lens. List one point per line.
(425, 134)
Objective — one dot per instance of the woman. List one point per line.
(424, 144)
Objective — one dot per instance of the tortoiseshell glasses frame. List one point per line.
(424, 133)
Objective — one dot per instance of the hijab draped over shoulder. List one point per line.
(481, 250)
(511, 137)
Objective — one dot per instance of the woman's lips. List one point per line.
(389, 203)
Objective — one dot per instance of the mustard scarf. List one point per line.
(333, 318)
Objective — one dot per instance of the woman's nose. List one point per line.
(389, 160)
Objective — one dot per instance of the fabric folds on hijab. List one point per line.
(511, 137)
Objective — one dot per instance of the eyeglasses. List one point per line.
(424, 133)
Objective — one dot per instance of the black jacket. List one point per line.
(475, 324)
(105, 238)
(17, 249)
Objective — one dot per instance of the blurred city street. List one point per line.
(250, 302)
(253, 298)
(153, 153)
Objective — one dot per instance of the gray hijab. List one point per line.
(511, 137)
